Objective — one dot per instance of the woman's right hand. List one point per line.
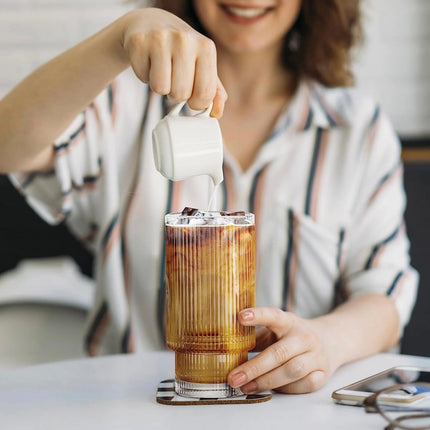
(164, 52)
(173, 58)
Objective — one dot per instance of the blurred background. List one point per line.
(393, 67)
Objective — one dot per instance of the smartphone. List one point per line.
(354, 394)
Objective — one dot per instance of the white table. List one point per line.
(118, 392)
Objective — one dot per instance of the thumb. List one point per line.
(276, 320)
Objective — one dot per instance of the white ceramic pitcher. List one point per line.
(186, 146)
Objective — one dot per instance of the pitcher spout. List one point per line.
(217, 177)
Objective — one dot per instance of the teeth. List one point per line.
(246, 13)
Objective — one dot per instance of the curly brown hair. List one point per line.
(319, 44)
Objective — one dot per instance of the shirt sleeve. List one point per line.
(377, 255)
(90, 156)
(72, 190)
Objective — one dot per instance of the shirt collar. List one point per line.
(311, 107)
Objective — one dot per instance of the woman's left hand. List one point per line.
(294, 358)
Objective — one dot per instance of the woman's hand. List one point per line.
(173, 58)
(293, 358)
(299, 355)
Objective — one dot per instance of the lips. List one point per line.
(245, 12)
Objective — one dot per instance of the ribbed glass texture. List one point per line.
(210, 277)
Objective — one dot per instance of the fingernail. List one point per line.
(247, 315)
(238, 379)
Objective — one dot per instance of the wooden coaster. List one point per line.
(167, 396)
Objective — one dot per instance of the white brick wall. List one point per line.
(393, 67)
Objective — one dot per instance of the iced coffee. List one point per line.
(210, 277)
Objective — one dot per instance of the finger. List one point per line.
(205, 79)
(219, 101)
(293, 370)
(139, 56)
(311, 382)
(274, 319)
(160, 70)
(183, 66)
(271, 358)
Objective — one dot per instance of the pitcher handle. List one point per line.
(205, 113)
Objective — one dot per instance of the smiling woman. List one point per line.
(318, 166)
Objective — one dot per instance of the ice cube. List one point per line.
(236, 213)
(187, 211)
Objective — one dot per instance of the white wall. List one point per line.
(394, 66)
(33, 31)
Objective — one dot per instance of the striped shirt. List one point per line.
(326, 189)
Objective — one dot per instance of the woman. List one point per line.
(319, 167)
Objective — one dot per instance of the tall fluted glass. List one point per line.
(210, 277)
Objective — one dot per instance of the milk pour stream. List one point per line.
(212, 193)
(185, 146)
